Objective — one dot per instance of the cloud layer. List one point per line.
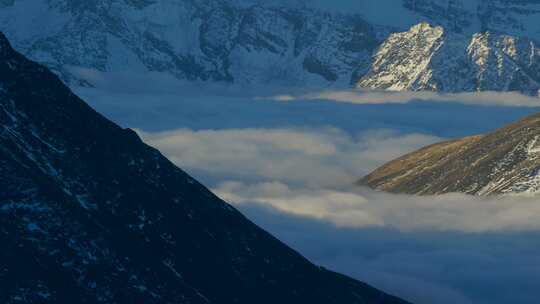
(311, 173)
(359, 96)
(296, 183)
(364, 208)
(424, 267)
(318, 158)
(288, 164)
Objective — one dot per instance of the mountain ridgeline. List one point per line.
(506, 161)
(436, 45)
(90, 214)
(213, 40)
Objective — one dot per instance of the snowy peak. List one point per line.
(429, 58)
(506, 161)
(505, 63)
(403, 61)
(425, 29)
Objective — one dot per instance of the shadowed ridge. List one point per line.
(90, 214)
(4, 42)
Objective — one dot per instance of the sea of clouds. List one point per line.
(288, 159)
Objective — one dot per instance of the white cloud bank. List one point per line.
(317, 158)
(365, 208)
(153, 83)
(310, 173)
(361, 96)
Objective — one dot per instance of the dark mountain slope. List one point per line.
(90, 214)
(504, 161)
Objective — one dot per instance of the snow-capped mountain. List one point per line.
(429, 58)
(461, 46)
(506, 161)
(443, 45)
(90, 214)
(194, 39)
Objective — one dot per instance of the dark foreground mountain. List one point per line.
(90, 214)
(506, 161)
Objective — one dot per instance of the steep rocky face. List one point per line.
(505, 63)
(506, 161)
(90, 214)
(219, 40)
(462, 46)
(404, 60)
(429, 58)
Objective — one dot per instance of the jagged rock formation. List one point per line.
(90, 214)
(428, 58)
(506, 161)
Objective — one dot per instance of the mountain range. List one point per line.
(437, 45)
(90, 214)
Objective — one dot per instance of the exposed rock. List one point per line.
(429, 58)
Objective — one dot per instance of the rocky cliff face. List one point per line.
(506, 161)
(430, 58)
